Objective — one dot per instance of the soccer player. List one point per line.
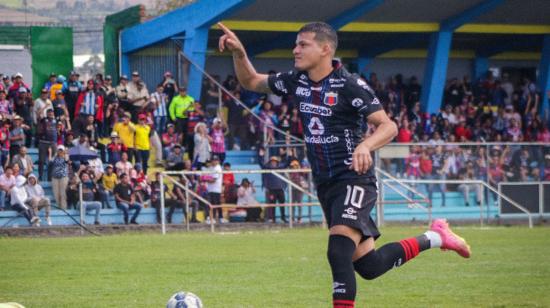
(335, 107)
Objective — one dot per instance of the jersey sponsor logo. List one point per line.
(337, 287)
(336, 80)
(301, 91)
(303, 82)
(314, 109)
(316, 88)
(364, 85)
(375, 101)
(303, 77)
(357, 102)
(349, 213)
(321, 139)
(316, 127)
(331, 99)
(337, 85)
(280, 85)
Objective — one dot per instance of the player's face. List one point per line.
(308, 52)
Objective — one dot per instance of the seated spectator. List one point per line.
(172, 202)
(126, 199)
(245, 194)
(24, 161)
(37, 198)
(89, 192)
(108, 181)
(123, 166)
(20, 201)
(7, 182)
(174, 160)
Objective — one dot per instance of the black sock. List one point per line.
(377, 262)
(340, 252)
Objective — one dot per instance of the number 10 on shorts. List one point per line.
(354, 196)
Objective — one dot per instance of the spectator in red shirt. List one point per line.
(405, 134)
(115, 149)
(462, 133)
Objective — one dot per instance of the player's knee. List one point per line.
(340, 249)
(369, 267)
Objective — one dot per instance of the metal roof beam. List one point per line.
(454, 22)
(336, 22)
(203, 13)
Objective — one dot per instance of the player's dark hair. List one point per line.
(323, 32)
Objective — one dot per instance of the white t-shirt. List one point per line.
(216, 186)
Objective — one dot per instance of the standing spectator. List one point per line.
(51, 81)
(37, 198)
(41, 104)
(72, 92)
(20, 200)
(7, 182)
(4, 142)
(274, 186)
(57, 86)
(246, 198)
(59, 166)
(138, 96)
(123, 166)
(194, 116)
(159, 100)
(214, 187)
(5, 104)
(179, 108)
(172, 202)
(89, 103)
(210, 98)
(17, 135)
(201, 152)
(47, 140)
(143, 145)
(299, 179)
(115, 149)
(169, 85)
(126, 199)
(17, 85)
(23, 106)
(218, 139)
(122, 92)
(60, 107)
(24, 161)
(126, 131)
(468, 173)
(438, 172)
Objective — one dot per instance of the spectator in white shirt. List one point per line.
(20, 201)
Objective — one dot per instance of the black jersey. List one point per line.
(333, 113)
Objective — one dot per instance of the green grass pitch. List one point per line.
(509, 267)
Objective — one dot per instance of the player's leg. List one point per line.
(371, 263)
(342, 244)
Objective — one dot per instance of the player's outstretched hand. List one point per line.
(230, 41)
(361, 159)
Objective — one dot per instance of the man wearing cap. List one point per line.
(122, 92)
(17, 135)
(138, 96)
(51, 81)
(59, 165)
(179, 106)
(126, 131)
(160, 101)
(143, 144)
(40, 105)
(47, 139)
(6, 83)
(17, 84)
(115, 149)
(72, 92)
(274, 186)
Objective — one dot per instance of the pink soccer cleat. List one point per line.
(449, 240)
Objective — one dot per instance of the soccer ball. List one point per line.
(184, 300)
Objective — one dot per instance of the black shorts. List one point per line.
(350, 203)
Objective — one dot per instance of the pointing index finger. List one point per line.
(224, 28)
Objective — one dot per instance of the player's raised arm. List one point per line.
(246, 74)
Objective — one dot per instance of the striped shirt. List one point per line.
(88, 105)
(160, 101)
(59, 167)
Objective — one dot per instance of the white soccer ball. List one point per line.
(184, 300)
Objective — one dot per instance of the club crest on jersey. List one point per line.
(331, 99)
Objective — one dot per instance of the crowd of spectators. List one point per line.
(101, 137)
